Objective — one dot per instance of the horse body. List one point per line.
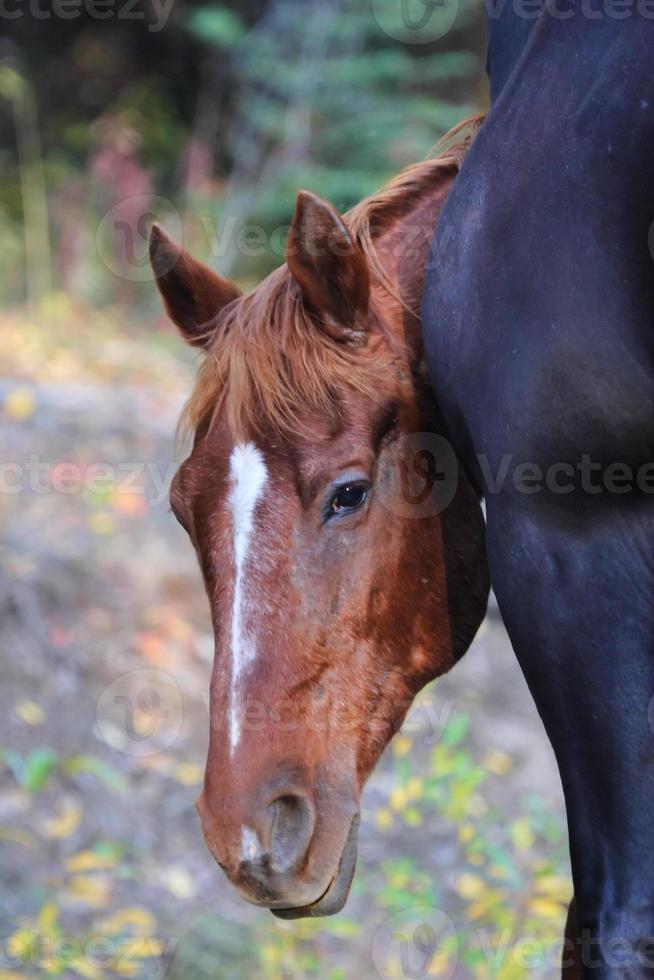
(539, 332)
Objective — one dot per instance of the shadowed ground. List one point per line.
(106, 654)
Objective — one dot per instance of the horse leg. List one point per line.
(569, 959)
(576, 590)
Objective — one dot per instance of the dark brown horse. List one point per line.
(336, 596)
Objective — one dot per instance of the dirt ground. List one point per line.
(106, 652)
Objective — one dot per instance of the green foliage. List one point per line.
(327, 100)
(503, 879)
(33, 770)
(81, 764)
(268, 97)
(217, 24)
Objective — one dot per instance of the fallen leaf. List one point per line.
(20, 404)
(90, 861)
(47, 917)
(401, 746)
(546, 908)
(470, 886)
(497, 762)
(189, 773)
(65, 823)
(30, 712)
(134, 917)
(91, 890)
(101, 523)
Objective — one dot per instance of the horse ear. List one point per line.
(330, 269)
(193, 295)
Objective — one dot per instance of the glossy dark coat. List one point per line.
(538, 319)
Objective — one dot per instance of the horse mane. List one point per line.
(269, 365)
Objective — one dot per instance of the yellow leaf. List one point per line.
(138, 948)
(384, 819)
(414, 788)
(522, 834)
(30, 713)
(546, 908)
(101, 523)
(440, 965)
(398, 799)
(64, 823)
(401, 746)
(466, 833)
(483, 905)
(20, 944)
(270, 955)
(399, 878)
(47, 918)
(17, 836)
(189, 773)
(91, 890)
(150, 948)
(90, 861)
(48, 964)
(87, 969)
(125, 968)
(556, 886)
(498, 762)
(412, 817)
(140, 919)
(20, 403)
(470, 886)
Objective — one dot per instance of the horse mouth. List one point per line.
(335, 895)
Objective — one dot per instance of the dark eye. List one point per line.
(348, 497)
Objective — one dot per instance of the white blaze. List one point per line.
(248, 475)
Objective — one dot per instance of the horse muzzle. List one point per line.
(284, 855)
(334, 897)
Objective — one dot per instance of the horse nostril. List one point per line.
(292, 828)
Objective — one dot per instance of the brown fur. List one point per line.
(267, 364)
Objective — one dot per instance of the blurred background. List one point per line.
(209, 117)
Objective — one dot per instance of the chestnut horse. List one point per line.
(335, 594)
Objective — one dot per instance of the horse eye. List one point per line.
(348, 497)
